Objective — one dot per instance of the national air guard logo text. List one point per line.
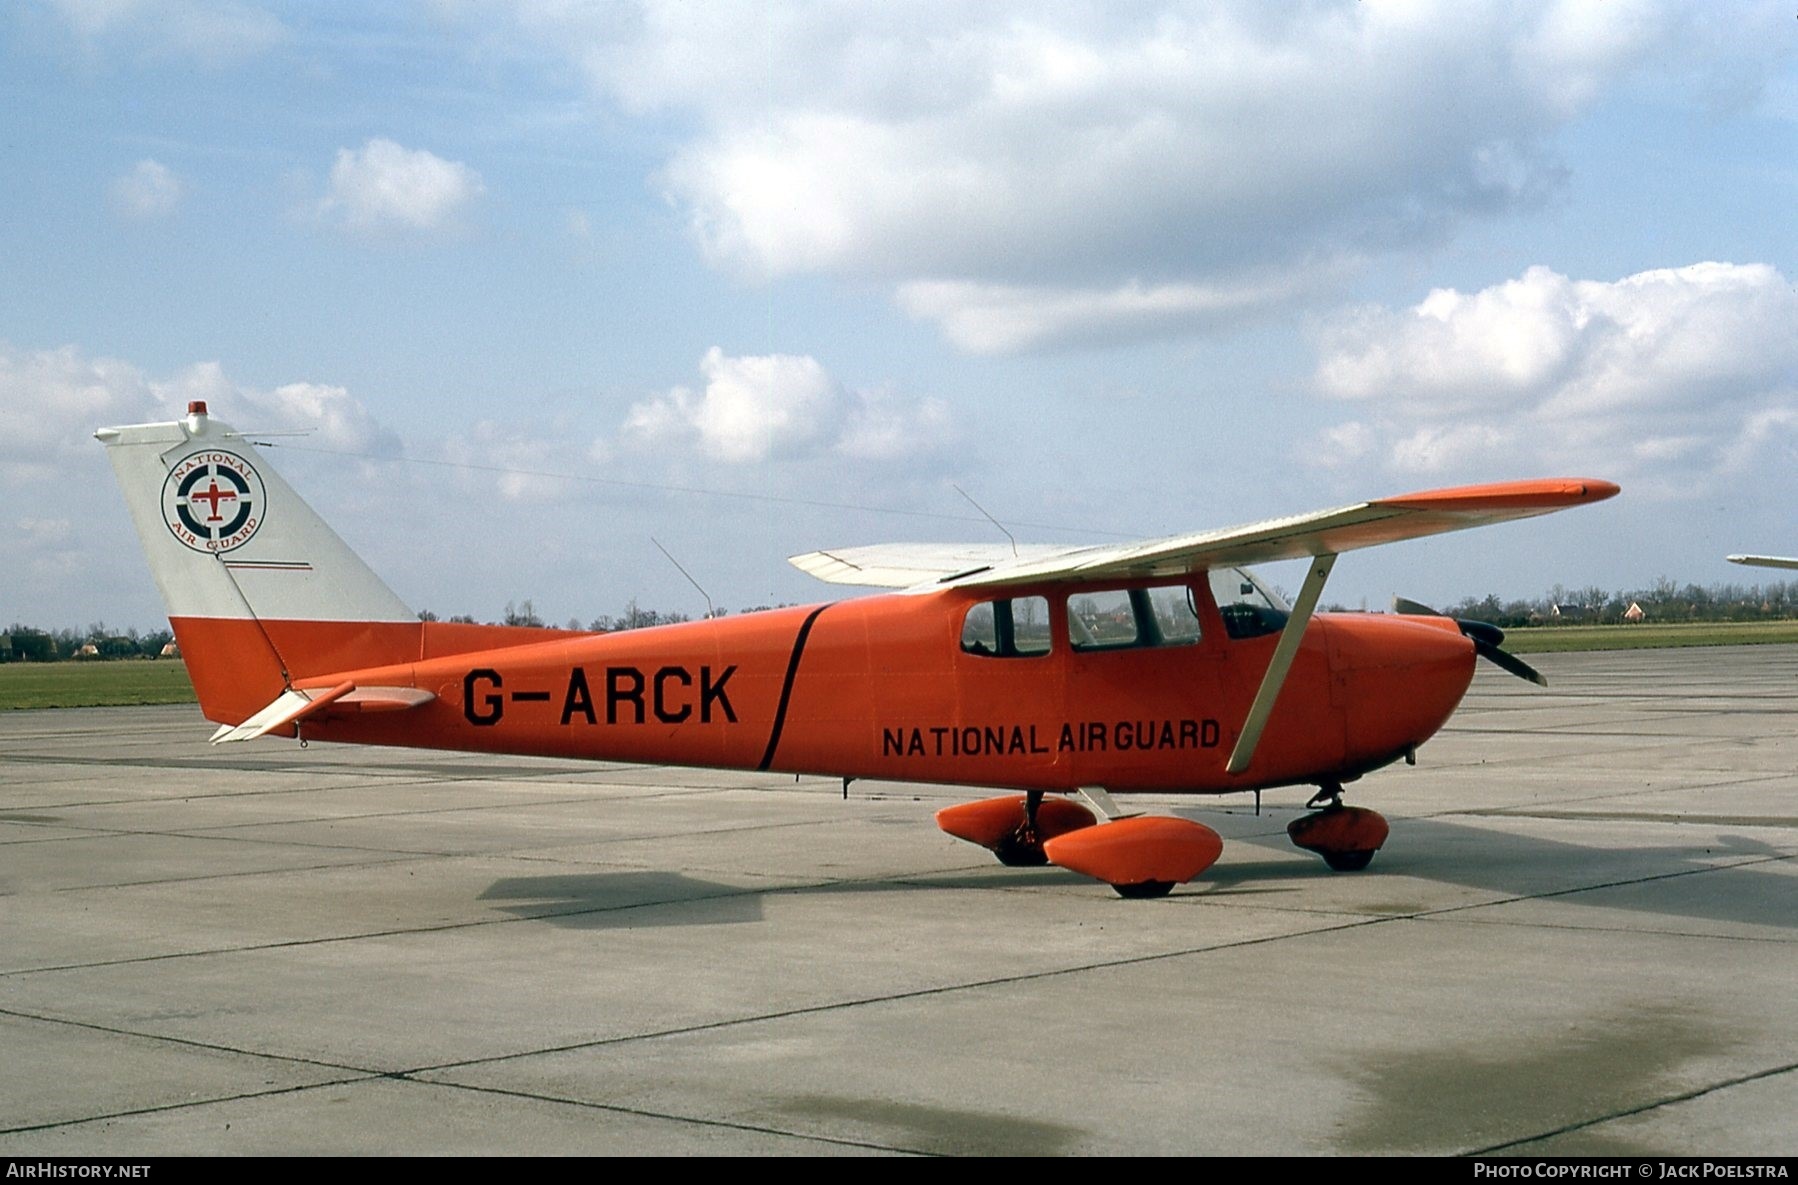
(213, 501)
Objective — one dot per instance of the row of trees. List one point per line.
(634, 617)
(23, 643)
(1663, 601)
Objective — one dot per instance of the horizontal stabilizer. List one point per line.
(297, 704)
(1764, 561)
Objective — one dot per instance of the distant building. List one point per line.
(1634, 613)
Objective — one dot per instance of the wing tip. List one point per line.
(1543, 493)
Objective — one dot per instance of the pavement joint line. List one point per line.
(1628, 930)
(1583, 732)
(412, 780)
(1349, 921)
(594, 791)
(1459, 812)
(398, 932)
(1670, 1100)
(363, 1077)
(511, 917)
(898, 997)
(1548, 894)
(183, 1105)
(396, 854)
(392, 858)
(683, 1030)
(310, 820)
(1660, 818)
(207, 832)
(642, 1113)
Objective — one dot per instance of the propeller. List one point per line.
(1485, 638)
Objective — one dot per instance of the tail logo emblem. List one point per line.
(213, 501)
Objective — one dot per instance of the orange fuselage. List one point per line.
(873, 688)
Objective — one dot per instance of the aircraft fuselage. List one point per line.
(888, 687)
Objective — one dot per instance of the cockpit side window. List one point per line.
(1014, 628)
(1117, 618)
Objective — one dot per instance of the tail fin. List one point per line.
(259, 590)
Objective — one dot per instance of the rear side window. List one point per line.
(1017, 627)
(1118, 618)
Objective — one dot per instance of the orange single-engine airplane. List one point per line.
(1087, 671)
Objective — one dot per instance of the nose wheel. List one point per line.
(1345, 836)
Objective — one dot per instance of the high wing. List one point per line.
(919, 566)
(1764, 561)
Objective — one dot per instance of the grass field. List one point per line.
(110, 684)
(1648, 635)
(93, 684)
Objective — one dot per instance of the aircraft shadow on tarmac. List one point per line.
(615, 900)
(1714, 876)
(1702, 878)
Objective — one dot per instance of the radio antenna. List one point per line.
(709, 611)
(989, 518)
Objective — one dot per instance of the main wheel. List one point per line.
(1019, 853)
(1144, 889)
(1347, 861)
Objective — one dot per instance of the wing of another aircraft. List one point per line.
(920, 566)
(1764, 561)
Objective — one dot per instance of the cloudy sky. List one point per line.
(549, 282)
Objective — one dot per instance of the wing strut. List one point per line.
(1275, 678)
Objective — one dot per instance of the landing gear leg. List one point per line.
(1328, 794)
(1023, 848)
(1345, 836)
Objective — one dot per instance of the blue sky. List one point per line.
(1112, 269)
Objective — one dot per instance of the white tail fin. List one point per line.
(227, 537)
(259, 590)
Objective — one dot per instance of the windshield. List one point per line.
(1249, 608)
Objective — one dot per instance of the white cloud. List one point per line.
(383, 186)
(210, 31)
(1676, 375)
(752, 408)
(51, 401)
(523, 464)
(71, 556)
(330, 415)
(1027, 174)
(149, 190)
(782, 406)
(882, 426)
(1005, 318)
